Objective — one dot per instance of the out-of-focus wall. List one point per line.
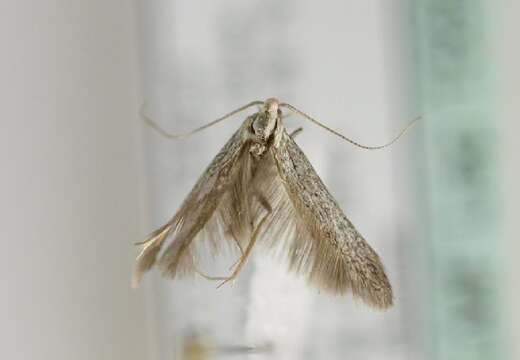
(462, 212)
(69, 189)
(506, 37)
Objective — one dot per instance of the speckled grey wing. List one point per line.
(211, 215)
(325, 245)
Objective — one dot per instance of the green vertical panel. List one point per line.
(464, 243)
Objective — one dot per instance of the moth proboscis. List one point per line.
(261, 189)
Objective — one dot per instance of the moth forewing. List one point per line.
(336, 257)
(261, 189)
(193, 218)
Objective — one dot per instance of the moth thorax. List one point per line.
(263, 126)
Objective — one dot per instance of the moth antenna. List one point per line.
(289, 106)
(164, 133)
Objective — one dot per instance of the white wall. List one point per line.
(69, 189)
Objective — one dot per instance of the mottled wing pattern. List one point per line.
(214, 213)
(324, 244)
(301, 220)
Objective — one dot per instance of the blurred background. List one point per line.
(84, 178)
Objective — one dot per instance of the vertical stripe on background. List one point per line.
(464, 244)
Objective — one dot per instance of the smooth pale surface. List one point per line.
(69, 189)
(506, 33)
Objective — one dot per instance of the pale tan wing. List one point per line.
(212, 212)
(323, 243)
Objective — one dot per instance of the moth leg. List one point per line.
(207, 277)
(243, 259)
(236, 262)
(239, 246)
(296, 132)
(241, 254)
(252, 242)
(263, 201)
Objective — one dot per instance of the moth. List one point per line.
(261, 189)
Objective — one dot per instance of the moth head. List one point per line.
(264, 121)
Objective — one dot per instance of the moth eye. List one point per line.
(257, 129)
(279, 112)
(257, 126)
